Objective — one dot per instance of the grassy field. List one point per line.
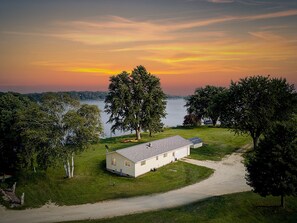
(241, 207)
(218, 142)
(92, 183)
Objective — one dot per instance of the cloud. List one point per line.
(221, 1)
(268, 36)
(122, 30)
(292, 12)
(79, 67)
(118, 30)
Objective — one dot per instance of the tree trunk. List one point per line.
(138, 133)
(68, 169)
(72, 164)
(255, 141)
(282, 201)
(214, 122)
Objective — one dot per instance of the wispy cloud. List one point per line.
(178, 46)
(292, 12)
(268, 36)
(221, 1)
(81, 67)
(116, 30)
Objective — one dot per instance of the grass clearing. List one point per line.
(92, 183)
(89, 187)
(244, 207)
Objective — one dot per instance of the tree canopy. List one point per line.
(74, 127)
(10, 140)
(37, 135)
(202, 103)
(135, 101)
(253, 104)
(272, 167)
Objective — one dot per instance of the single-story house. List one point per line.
(139, 159)
(196, 142)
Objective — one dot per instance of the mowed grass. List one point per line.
(218, 142)
(244, 207)
(92, 183)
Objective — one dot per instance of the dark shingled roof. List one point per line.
(195, 140)
(154, 148)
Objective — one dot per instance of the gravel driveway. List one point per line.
(228, 178)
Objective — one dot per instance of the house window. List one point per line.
(173, 154)
(127, 163)
(113, 161)
(165, 155)
(157, 157)
(143, 162)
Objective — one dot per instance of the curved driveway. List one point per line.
(228, 178)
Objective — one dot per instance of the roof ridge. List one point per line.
(150, 142)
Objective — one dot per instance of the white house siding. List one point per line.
(120, 166)
(152, 162)
(182, 152)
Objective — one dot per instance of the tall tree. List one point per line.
(254, 103)
(73, 127)
(202, 103)
(10, 140)
(35, 133)
(272, 167)
(135, 101)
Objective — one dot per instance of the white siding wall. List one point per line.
(182, 152)
(137, 169)
(120, 166)
(153, 163)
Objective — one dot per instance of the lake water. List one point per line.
(175, 115)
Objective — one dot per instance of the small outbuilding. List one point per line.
(196, 142)
(140, 159)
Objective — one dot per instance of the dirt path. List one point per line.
(227, 178)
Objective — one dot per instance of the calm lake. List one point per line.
(175, 115)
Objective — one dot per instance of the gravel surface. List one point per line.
(229, 177)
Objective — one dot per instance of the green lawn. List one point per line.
(218, 142)
(92, 183)
(241, 207)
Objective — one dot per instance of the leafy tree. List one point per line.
(36, 131)
(135, 101)
(272, 167)
(73, 127)
(10, 140)
(191, 120)
(254, 103)
(201, 103)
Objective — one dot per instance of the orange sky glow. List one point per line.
(187, 44)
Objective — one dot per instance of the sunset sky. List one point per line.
(60, 45)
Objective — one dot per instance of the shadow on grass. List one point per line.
(102, 169)
(184, 127)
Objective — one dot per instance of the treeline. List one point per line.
(79, 95)
(35, 136)
(251, 105)
(83, 95)
(266, 109)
